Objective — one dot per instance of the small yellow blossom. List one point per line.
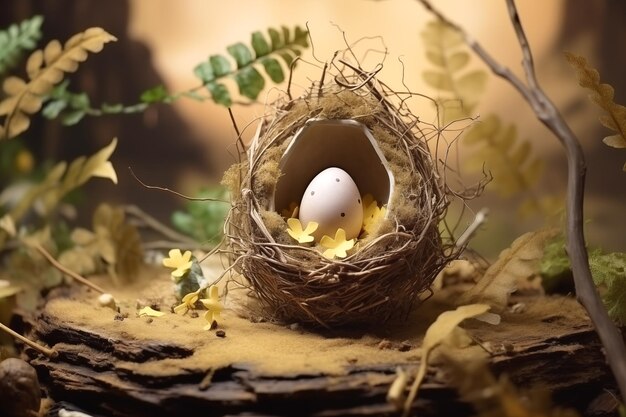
(302, 236)
(374, 215)
(179, 261)
(292, 211)
(188, 302)
(213, 305)
(337, 247)
(150, 312)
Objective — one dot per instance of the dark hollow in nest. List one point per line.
(391, 268)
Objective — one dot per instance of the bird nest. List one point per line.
(390, 270)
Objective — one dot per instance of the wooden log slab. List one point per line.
(113, 365)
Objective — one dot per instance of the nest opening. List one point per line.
(391, 267)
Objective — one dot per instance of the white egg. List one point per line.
(333, 200)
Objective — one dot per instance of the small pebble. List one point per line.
(194, 315)
(518, 308)
(294, 326)
(405, 346)
(220, 333)
(149, 320)
(107, 300)
(385, 344)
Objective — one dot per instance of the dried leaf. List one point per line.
(520, 261)
(603, 96)
(8, 290)
(8, 225)
(435, 335)
(45, 69)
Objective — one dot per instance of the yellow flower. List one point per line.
(296, 232)
(292, 211)
(373, 216)
(189, 302)
(213, 306)
(337, 247)
(179, 261)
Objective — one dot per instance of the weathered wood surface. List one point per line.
(88, 374)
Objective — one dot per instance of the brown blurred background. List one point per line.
(185, 145)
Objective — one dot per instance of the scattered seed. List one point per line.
(220, 333)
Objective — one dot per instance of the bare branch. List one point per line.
(547, 113)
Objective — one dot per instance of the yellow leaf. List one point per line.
(149, 312)
(438, 80)
(615, 141)
(82, 236)
(520, 261)
(521, 154)
(486, 127)
(13, 85)
(471, 85)
(438, 34)
(435, 335)
(79, 260)
(105, 170)
(8, 290)
(52, 51)
(301, 235)
(458, 61)
(602, 95)
(99, 166)
(436, 58)
(8, 225)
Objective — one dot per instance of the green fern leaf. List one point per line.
(274, 70)
(250, 82)
(608, 271)
(220, 94)
(241, 54)
(17, 39)
(260, 45)
(248, 78)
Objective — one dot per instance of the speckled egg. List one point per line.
(333, 200)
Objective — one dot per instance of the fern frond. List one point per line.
(445, 50)
(45, 68)
(17, 39)
(507, 157)
(246, 75)
(603, 95)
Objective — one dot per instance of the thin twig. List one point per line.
(479, 220)
(155, 187)
(159, 227)
(547, 113)
(67, 271)
(51, 353)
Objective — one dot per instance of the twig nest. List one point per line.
(20, 394)
(336, 279)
